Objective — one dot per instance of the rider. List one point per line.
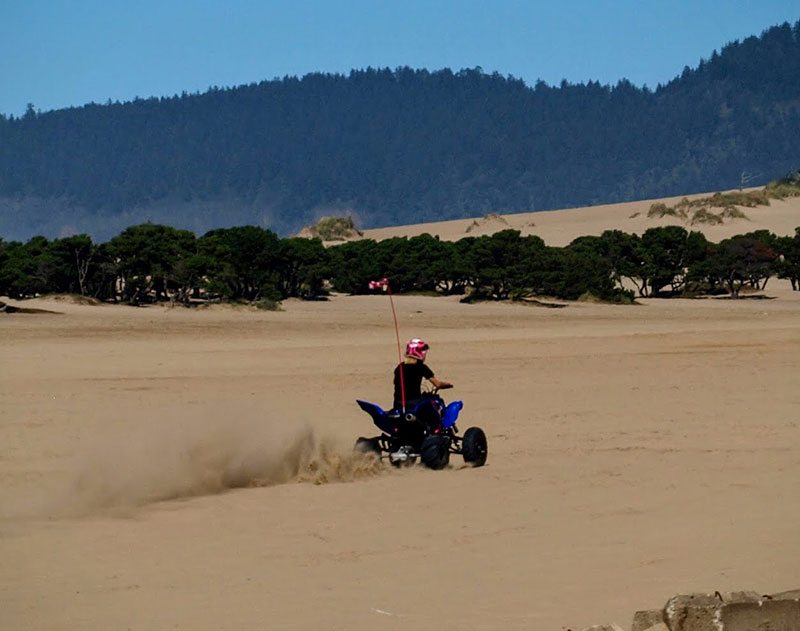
(414, 371)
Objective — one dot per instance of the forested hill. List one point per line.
(401, 146)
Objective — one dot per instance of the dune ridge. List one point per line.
(560, 227)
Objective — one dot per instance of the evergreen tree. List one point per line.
(401, 146)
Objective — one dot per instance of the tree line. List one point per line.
(156, 263)
(400, 146)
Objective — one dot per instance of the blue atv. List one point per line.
(427, 431)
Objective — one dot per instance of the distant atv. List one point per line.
(427, 432)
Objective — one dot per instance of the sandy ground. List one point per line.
(560, 227)
(164, 468)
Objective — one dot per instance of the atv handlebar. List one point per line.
(442, 387)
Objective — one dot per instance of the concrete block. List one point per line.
(646, 619)
(792, 594)
(701, 612)
(748, 596)
(692, 612)
(767, 615)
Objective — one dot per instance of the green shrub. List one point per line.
(660, 209)
(787, 186)
(703, 216)
(616, 297)
(731, 212)
(588, 296)
(477, 295)
(267, 304)
(748, 199)
(783, 190)
(335, 229)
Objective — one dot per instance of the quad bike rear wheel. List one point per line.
(367, 446)
(435, 452)
(474, 448)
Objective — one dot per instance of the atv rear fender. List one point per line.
(379, 416)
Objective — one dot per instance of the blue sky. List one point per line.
(57, 53)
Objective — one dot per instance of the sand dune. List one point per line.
(193, 469)
(560, 227)
(166, 468)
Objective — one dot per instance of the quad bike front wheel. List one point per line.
(435, 452)
(474, 448)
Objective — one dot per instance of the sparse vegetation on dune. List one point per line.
(660, 209)
(333, 229)
(491, 218)
(787, 186)
(707, 218)
(701, 211)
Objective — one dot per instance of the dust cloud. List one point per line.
(119, 472)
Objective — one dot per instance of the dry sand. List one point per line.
(560, 227)
(164, 468)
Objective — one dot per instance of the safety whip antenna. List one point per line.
(385, 285)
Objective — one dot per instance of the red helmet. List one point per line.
(417, 349)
